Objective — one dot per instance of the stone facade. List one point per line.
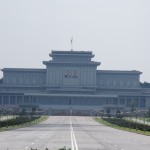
(118, 79)
(24, 77)
(71, 69)
(71, 81)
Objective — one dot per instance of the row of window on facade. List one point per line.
(121, 83)
(27, 80)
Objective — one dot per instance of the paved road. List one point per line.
(78, 133)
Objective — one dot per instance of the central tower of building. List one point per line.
(71, 71)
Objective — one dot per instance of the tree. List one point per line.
(149, 113)
(145, 85)
(23, 112)
(1, 80)
(132, 106)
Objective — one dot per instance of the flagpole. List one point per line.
(72, 44)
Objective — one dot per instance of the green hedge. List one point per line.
(127, 124)
(18, 121)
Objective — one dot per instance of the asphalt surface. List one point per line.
(77, 133)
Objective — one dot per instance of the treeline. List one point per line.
(18, 121)
(145, 85)
(127, 124)
(1, 80)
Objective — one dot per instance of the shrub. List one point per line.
(128, 124)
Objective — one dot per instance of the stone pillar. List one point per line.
(36, 99)
(138, 102)
(16, 100)
(8, 100)
(118, 103)
(2, 100)
(22, 99)
(148, 102)
(111, 101)
(30, 99)
(125, 102)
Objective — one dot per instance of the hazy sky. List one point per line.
(117, 31)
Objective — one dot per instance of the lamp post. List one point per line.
(149, 114)
(143, 115)
(135, 114)
(0, 117)
(144, 120)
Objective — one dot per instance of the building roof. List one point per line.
(119, 71)
(71, 53)
(72, 63)
(23, 69)
(71, 95)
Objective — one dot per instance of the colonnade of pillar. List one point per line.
(127, 101)
(139, 102)
(16, 99)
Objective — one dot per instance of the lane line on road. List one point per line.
(143, 143)
(26, 147)
(109, 142)
(74, 145)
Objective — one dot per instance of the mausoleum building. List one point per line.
(71, 81)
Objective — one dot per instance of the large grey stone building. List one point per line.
(71, 81)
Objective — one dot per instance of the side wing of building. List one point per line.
(112, 79)
(21, 77)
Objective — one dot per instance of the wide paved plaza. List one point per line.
(78, 133)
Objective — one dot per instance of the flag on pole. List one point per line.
(71, 40)
(72, 44)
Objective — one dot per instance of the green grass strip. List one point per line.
(34, 122)
(101, 121)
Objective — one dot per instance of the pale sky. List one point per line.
(117, 31)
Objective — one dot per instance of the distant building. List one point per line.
(71, 81)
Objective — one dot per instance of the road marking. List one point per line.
(32, 143)
(74, 145)
(36, 140)
(71, 138)
(115, 145)
(143, 143)
(26, 147)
